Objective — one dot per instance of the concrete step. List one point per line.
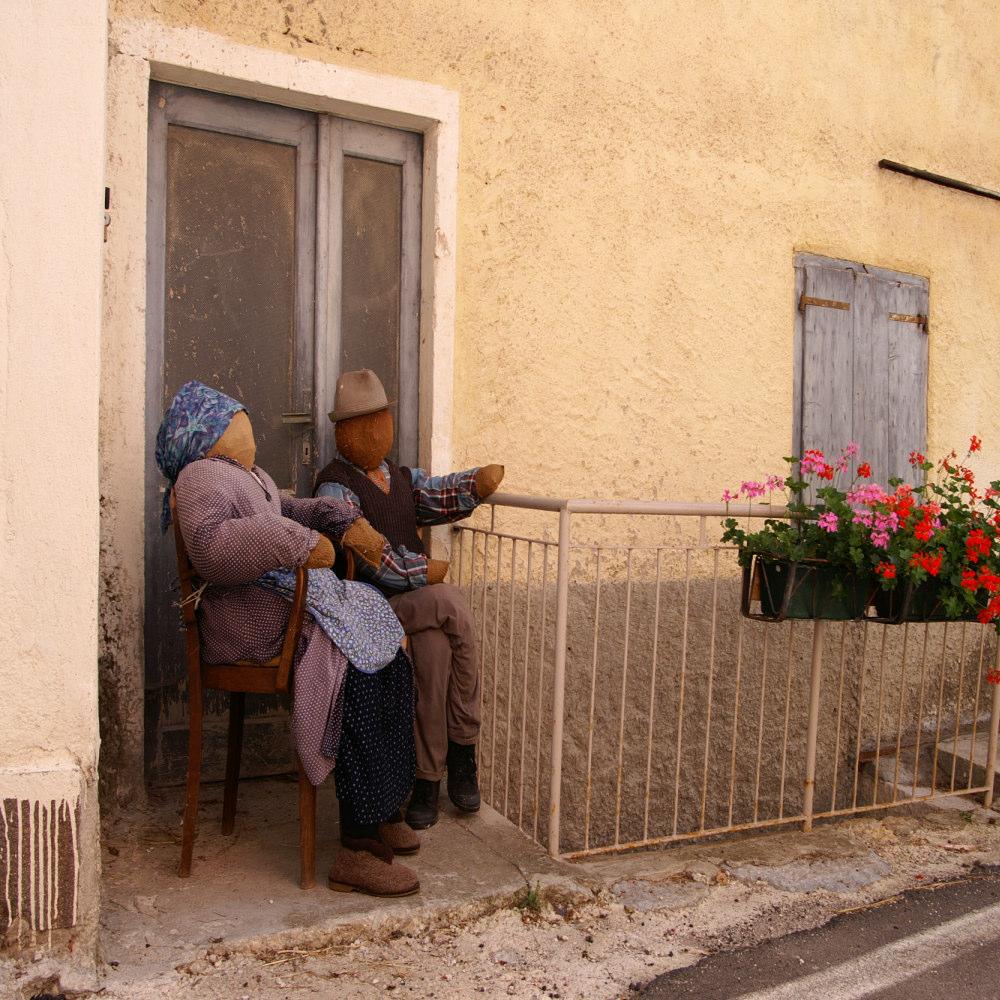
(963, 754)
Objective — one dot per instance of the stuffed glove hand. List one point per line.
(365, 542)
(321, 555)
(437, 570)
(488, 478)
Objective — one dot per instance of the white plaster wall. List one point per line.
(52, 94)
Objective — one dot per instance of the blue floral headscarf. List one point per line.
(197, 418)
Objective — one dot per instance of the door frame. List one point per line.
(142, 51)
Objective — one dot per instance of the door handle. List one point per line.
(297, 418)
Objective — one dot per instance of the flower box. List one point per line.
(913, 603)
(803, 590)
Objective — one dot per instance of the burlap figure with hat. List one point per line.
(397, 502)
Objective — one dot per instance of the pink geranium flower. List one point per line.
(828, 521)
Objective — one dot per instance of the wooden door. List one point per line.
(231, 276)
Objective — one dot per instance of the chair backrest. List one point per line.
(188, 585)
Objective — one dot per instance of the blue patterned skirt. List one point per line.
(376, 759)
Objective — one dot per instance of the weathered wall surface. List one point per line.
(635, 178)
(52, 77)
(634, 181)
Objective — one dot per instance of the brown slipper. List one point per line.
(399, 837)
(381, 850)
(359, 871)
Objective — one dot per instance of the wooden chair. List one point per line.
(239, 679)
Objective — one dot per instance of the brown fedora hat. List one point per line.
(358, 393)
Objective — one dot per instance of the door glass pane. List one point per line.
(370, 283)
(230, 278)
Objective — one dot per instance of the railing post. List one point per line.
(991, 748)
(559, 681)
(819, 635)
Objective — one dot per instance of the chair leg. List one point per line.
(307, 830)
(234, 752)
(193, 777)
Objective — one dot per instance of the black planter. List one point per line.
(909, 603)
(804, 590)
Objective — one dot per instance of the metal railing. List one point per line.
(626, 703)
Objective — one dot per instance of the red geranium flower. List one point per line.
(976, 545)
(975, 444)
(865, 470)
(886, 570)
(925, 561)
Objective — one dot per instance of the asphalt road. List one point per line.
(937, 943)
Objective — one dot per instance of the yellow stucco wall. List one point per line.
(634, 180)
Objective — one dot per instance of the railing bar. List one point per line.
(460, 559)
(680, 702)
(590, 713)
(788, 702)
(994, 734)
(958, 714)
(711, 679)
(975, 704)
(675, 838)
(541, 680)
(524, 685)
(496, 660)
(559, 681)
(510, 536)
(920, 707)
(899, 719)
(736, 716)
(621, 713)
(840, 709)
(760, 726)
(481, 654)
(940, 710)
(510, 677)
(861, 707)
(878, 721)
(652, 697)
(937, 794)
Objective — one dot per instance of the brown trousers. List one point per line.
(443, 649)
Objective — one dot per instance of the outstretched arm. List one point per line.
(443, 499)
(331, 515)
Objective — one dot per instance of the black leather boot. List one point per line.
(422, 810)
(463, 777)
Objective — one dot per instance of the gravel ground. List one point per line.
(612, 943)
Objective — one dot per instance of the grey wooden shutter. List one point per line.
(862, 362)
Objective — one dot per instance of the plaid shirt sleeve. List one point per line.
(443, 499)
(398, 569)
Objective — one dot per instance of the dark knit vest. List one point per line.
(393, 514)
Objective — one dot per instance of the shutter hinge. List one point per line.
(917, 318)
(809, 300)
